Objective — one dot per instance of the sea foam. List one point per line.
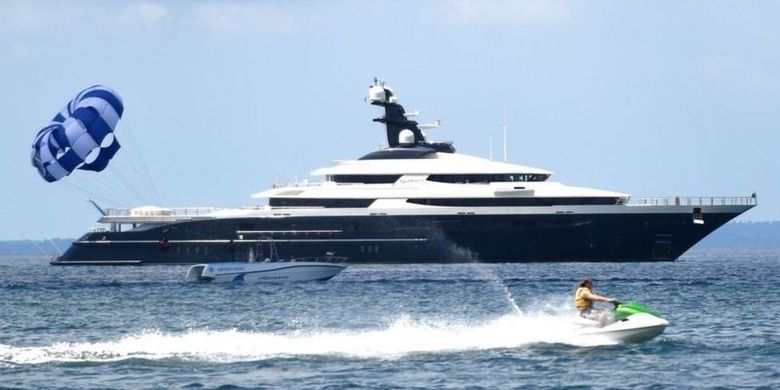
(402, 337)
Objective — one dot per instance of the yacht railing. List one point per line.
(297, 184)
(695, 201)
(166, 212)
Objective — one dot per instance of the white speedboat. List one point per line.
(273, 269)
(633, 323)
(276, 271)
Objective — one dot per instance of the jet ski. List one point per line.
(631, 322)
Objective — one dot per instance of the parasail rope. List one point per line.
(144, 174)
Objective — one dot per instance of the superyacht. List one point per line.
(413, 201)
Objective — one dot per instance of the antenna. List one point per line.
(427, 126)
(490, 140)
(99, 209)
(505, 151)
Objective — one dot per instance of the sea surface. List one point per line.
(421, 326)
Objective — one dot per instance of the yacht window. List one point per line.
(321, 202)
(365, 179)
(516, 202)
(487, 178)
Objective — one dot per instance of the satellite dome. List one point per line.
(406, 137)
(380, 94)
(376, 94)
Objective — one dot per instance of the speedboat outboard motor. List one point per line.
(195, 274)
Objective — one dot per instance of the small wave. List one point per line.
(15, 286)
(411, 280)
(660, 279)
(403, 337)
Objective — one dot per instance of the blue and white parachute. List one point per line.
(81, 136)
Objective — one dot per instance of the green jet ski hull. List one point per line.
(625, 309)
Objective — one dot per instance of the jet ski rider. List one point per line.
(584, 298)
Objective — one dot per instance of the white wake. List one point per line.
(403, 337)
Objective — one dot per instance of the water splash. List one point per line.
(505, 290)
(403, 337)
(492, 276)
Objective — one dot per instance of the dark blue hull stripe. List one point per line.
(393, 239)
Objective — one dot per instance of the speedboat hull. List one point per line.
(281, 271)
(636, 328)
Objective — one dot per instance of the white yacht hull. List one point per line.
(281, 271)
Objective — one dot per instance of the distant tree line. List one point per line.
(34, 247)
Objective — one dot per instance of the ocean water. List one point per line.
(420, 326)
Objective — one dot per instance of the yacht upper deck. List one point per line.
(436, 163)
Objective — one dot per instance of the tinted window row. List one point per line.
(488, 178)
(517, 202)
(366, 179)
(319, 202)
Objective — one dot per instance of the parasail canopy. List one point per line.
(81, 136)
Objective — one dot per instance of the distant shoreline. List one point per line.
(747, 235)
(734, 235)
(34, 247)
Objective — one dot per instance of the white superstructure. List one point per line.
(414, 176)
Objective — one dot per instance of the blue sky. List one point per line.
(223, 98)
